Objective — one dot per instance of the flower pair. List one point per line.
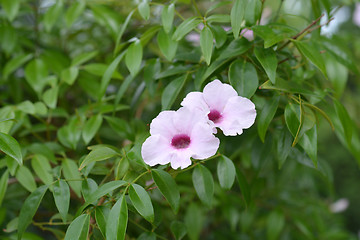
(178, 136)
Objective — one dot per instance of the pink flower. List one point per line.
(223, 107)
(176, 136)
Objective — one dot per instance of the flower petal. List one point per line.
(156, 150)
(180, 159)
(216, 94)
(239, 113)
(163, 124)
(203, 143)
(195, 101)
(185, 119)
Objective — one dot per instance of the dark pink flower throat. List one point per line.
(214, 116)
(180, 141)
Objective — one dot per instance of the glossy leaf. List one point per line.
(79, 228)
(83, 57)
(167, 17)
(15, 63)
(3, 185)
(243, 77)
(88, 187)
(36, 73)
(142, 202)
(206, 43)
(194, 221)
(50, 97)
(235, 48)
(25, 178)
(266, 115)
(312, 53)
(345, 120)
(10, 147)
(91, 127)
(42, 168)
(252, 12)
(226, 172)
(178, 229)
(122, 30)
(69, 75)
(167, 187)
(11, 8)
(237, 16)
(72, 174)
(268, 61)
(203, 184)
(105, 189)
(144, 9)
(172, 91)
(101, 219)
(133, 57)
(220, 35)
(99, 154)
(117, 220)
(29, 209)
(99, 69)
(244, 187)
(185, 27)
(74, 11)
(52, 15)
(274, 224)
(167, 46)
(61, 195)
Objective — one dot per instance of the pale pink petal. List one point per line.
(195, 101)
(185, 119)
(216, 94)
(163, 124)
(239, 113)
(180, 159)
(204, 144)
(156, 150)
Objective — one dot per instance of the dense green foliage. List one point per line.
(82, 80)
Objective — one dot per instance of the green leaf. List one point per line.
(268, 61)
(69, 75)
(8, 38)
(10, 147)
(91, 127)
(105, 189)
(312, 53)
(244, 187)
(178, 229)
(52, 15)
(40, 108)
(252, 12)
(237, 15)
(235, 48)
(99, 69)
(345, 120)
(274, 224)
(83, 57)
(206, 43)
(172, 91)
(69, 135)
(194, 221)
(266, 115)
(204, 184)
(25, 178)
(3, 185)
(220, 35)
(15, 63)
(220, 18)
(29, 209)
(226, 172)
(283, 147)
(100, 219)
(88, 187)
(36, 73)
(26, 107)
(79, 228)
(243, 77)
(147, 236)
(338, 75)
(185, 27)
(42, 168)
(117, 220)
(167, 187)
(109, 73)
(167, 17)
(99, 154)
(167, 46)
(133, 57)
(50, 97)
(152, 68)
(73, 12)
(11, 8)
(71, 173)
(121, 32)
(61, 195)
(144, 9)
(141, 201)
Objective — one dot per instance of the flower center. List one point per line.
(180, 141)
(214, 116)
